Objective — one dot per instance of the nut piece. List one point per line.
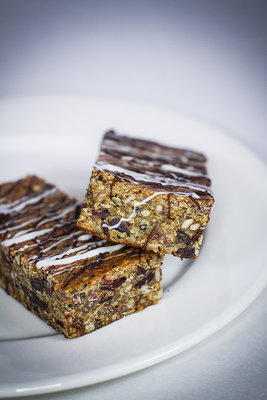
(187, 223)
(159, 208)
(145, 213)
(194, 227)
(128, 199)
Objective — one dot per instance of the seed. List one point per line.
(187, 223)
(194, 227)
(145, 289)
(157, 275)
(158, 295)
(89, 326)
(145, 213)
(128, 288)
(128, 199)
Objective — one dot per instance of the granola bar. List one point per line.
(147, 195)
(74, 281)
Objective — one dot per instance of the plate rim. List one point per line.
(225, 317)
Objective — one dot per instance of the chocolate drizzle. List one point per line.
(44, 236)
(154, 166)
(152, 235)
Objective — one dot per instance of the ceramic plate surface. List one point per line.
(58, 139)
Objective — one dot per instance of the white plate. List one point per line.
(58, 139)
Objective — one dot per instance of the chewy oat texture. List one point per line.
(147, 195)
(74, 281)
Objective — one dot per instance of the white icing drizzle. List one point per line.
(83, 238)
(137, 155)
(184, 171)
(158, 150)
(138, 160)
(23, 248)
(59, 241)
(25, 237)
(14, 228)
(74, 250)
(101, 166)
(59, 215)
(135, 205)
(156, 158)
(65, 253)
(61, 269)
(18, 205)
(43, 264)
(18, 234)
(115, 145)
(126, 158)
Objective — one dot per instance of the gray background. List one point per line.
(202, 57)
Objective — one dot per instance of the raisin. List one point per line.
(184, 237)
(141, 270)
(123, 228)
(118, 282)
(59, 323)
(187, 252)
(37, 304)
(150, 276)
(104, 299)
(37, 284)
(77, 324)
(140, 283)
(100, 214)
(98, 323)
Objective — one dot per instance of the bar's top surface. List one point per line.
(38, 228)
(155, 166)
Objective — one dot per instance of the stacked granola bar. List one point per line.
(144, 200)
(75, 282)
(149, 196)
